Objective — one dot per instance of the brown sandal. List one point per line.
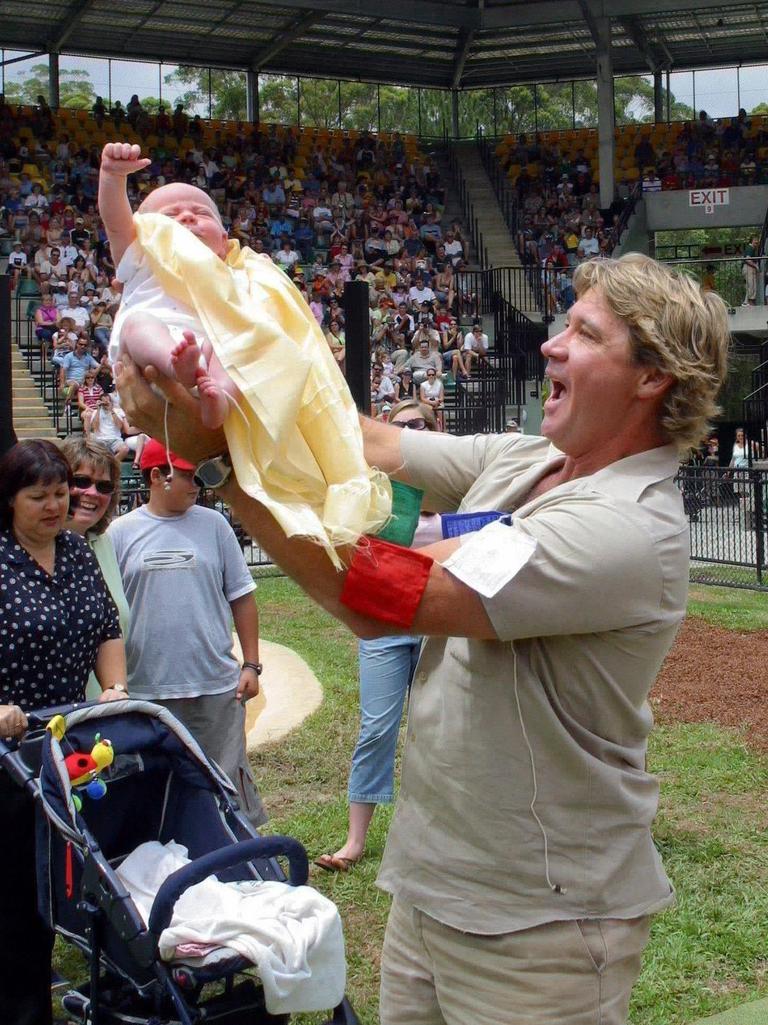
(333, 863)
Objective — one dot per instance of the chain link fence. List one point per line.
(727, 514)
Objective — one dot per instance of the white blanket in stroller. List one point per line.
(291, 933)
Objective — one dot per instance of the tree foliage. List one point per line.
(326, 103)
(75, 88)
(227, 91)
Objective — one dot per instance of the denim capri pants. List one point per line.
(387, 665)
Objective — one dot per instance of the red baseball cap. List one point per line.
(156, 454)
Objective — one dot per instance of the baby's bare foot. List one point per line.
(213, 401)
(185, 360)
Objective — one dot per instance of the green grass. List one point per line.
(706, 954)
(732, 608)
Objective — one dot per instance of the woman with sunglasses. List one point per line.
(58, 623)
(386, 669)
(94, 491)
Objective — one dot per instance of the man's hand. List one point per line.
(248, 685)
(122, 159)
(146, 410)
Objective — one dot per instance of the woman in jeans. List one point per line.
(386, 669)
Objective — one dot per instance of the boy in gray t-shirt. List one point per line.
(184, 577)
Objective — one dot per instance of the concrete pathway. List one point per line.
(289, 692)
(754, 1013)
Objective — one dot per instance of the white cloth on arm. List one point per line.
(291, 933)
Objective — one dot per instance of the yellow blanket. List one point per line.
(297, 446)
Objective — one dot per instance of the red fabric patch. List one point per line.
(386, 582)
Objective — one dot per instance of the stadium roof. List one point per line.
(432, 43)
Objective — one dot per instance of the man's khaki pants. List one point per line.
(561, 973)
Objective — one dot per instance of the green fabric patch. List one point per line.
(406, 506)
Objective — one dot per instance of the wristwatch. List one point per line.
(255, 666)
(119, 686)
(213, 473)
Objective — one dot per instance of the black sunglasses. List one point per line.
(82, 483)
(417, 424)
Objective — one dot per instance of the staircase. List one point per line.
(499, 255)
(31, 418)
(499, 245)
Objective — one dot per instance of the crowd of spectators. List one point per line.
(561, 222)
(327, 207)
(706, 153)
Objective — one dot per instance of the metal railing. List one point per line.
(727, 513)
(724, 276)
(529, 289)
(697, 251)
(506, 195)
(755, 406)
(477, 406)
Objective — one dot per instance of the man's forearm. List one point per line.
(303, 561)
(381, 447)
(448, 607)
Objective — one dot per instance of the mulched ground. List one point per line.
(716, 675)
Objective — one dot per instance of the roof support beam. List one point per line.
(638, 35)
(68, 24)
(463, 46)
(284, 38)
(589, 17)
(145, 20)
(426, 12)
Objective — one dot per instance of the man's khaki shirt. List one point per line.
(555, 712)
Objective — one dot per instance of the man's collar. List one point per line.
(629, 477)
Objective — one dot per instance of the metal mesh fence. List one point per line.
(727, 513)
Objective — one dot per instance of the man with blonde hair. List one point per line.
(520, 856)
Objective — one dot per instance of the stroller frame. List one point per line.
(82, 898)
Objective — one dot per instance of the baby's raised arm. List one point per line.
(118, 160)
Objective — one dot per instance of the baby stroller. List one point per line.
(159, 787)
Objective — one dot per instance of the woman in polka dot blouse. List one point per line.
(57, 622)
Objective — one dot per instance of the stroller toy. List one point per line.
(83, 768)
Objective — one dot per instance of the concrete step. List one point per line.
(23, 433)
(30, 414)
(33, 423)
